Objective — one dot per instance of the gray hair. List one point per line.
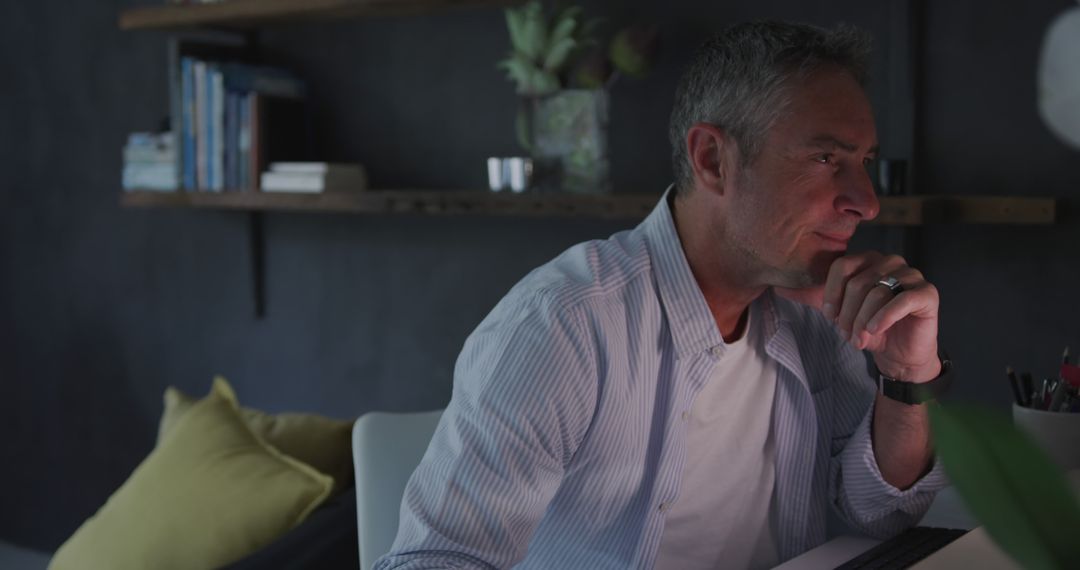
(737, 81)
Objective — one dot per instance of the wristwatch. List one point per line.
(914, 393)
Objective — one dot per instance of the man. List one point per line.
(657, 399)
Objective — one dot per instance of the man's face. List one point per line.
(792, 211)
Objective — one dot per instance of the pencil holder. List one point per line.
(1058, 433)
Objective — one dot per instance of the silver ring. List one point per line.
(892, 284)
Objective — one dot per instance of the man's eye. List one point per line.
(824, 158)
(868, 161)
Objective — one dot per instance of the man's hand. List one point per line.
(901, 332)
(901, 329)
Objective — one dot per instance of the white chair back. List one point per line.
(387, 447)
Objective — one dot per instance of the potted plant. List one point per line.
(1009, 484)
(562, 74)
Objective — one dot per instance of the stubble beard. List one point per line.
(749, 249)
(789, 273)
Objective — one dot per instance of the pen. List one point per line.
(1015, 385)
(1057, 394)
(1029, 390)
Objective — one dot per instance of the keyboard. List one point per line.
(904, 550)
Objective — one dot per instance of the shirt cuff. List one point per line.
(869, 495)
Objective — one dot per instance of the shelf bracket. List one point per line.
(257, 243)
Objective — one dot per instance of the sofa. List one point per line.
(247, 489)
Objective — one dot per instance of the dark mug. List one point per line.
(889, 176)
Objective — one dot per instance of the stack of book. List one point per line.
(150, 162)
(227, 113)
(313, 177)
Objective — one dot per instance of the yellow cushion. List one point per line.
(210, 493)
(321, 442)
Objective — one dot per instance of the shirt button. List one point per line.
(717, 351)
(685, 416)
(663, 507)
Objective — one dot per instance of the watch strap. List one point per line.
(914, 393)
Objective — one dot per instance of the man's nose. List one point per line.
(857, 196)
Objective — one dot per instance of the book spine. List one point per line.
(244, 141)
(256, 137)
(200, 125)
(186, 150)
(218, 129)
(230, 140)
(176, 96)
(208, 125)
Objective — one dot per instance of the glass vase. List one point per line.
(567, 134)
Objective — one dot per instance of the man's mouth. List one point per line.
(834, 240)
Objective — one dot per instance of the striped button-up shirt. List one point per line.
(563, 443)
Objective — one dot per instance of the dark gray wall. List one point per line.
(101, 307)
(1010, 294)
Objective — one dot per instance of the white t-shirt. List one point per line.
(721, 518)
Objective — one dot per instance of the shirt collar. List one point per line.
(693, 328)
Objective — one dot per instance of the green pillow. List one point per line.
(321, 442)
(210, 493)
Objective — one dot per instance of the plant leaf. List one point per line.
(519, 70)
(1010, 485)
(633, 50)
(533, 31)
(530, 79)
(515, 23)
(558, 54)
(565, 24)
(542, 83)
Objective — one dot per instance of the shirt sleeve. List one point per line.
(524, 394)
(859, 491)
(870, 503)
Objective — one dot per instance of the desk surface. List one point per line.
(947, 511)
(974, 549)
(831, 554)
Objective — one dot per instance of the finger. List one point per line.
(875, 299)
(839, 272)
(878, 297)
(860, 285)
(920, 301)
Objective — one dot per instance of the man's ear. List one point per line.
(705, 146)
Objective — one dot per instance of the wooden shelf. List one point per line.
(939, 209)
(253, 13)
(428, 202)
(895, 211)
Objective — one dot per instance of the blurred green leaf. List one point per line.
(549, 55)
(515, 23)
(558, 54)
(518, 69)
(533, 32)
(565, 25)
(633, 50)
(1009, 485)
(530, 79)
